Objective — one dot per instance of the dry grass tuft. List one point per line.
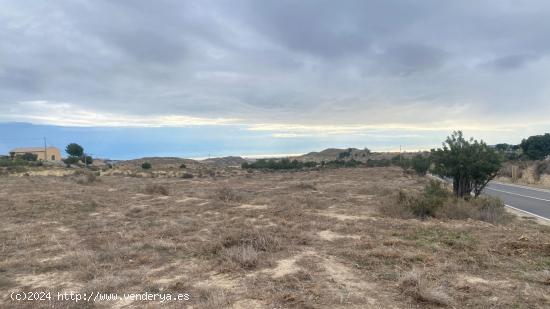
(155, 189)
(228, 195)
(244, 256)
(259, 240)
(416, 285)
(239, 248)
(543, 277)
(305, 186)
(213, 298)
(490, 210)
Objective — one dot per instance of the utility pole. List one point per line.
(45, 150)
(400, 158)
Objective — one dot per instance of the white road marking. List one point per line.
(536, 198)
(527, 212)
(518, 186)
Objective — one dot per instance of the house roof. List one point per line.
(32, 149)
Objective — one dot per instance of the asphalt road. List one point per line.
(530, 200)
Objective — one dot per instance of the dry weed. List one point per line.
(155, 189)
(244, 256)
(213, 298)
(228, 195)
(417, 286)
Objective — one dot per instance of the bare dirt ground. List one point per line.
(261, 240)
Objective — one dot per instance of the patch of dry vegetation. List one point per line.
(228, 195)
(416, 285)
(156, 189)
(308, 239)
(438, 202)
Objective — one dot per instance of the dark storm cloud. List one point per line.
(309, 62)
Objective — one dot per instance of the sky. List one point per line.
(134, 78)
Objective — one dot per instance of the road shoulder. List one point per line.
(527, 216)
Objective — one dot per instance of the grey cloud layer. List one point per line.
(308, 62)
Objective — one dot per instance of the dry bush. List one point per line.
(231, 241)
(542, 277)
(155, 189)
(83, 177)
(417, 286)
(244, 256)
(490, 209)
(305, 186)
(506, 171)
(457, 209)
(228, 195)
(240, 249)
(259, 240)
(212, 298)
(409, 205)
(187, 176)
(396, 206)
(483, 208)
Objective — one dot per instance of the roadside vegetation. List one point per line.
(436, 201)
(471, 164)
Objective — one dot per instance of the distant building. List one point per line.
(44, 154)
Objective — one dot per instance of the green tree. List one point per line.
(470, 163)
(420, 164)
(146, 165)
(88, 160)
(536, 147)
(74, 150)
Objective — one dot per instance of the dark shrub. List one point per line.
(146, 165)
(28, 156)
(420, 164)
(10, 162)
(88, 160)
(71, 160)
(536, 147)
(282, 164)
(187, 176)
(156, 189)
(183, 165)
(541, 167)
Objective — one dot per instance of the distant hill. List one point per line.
(330, 154)
(362, 155)
(225, 161)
